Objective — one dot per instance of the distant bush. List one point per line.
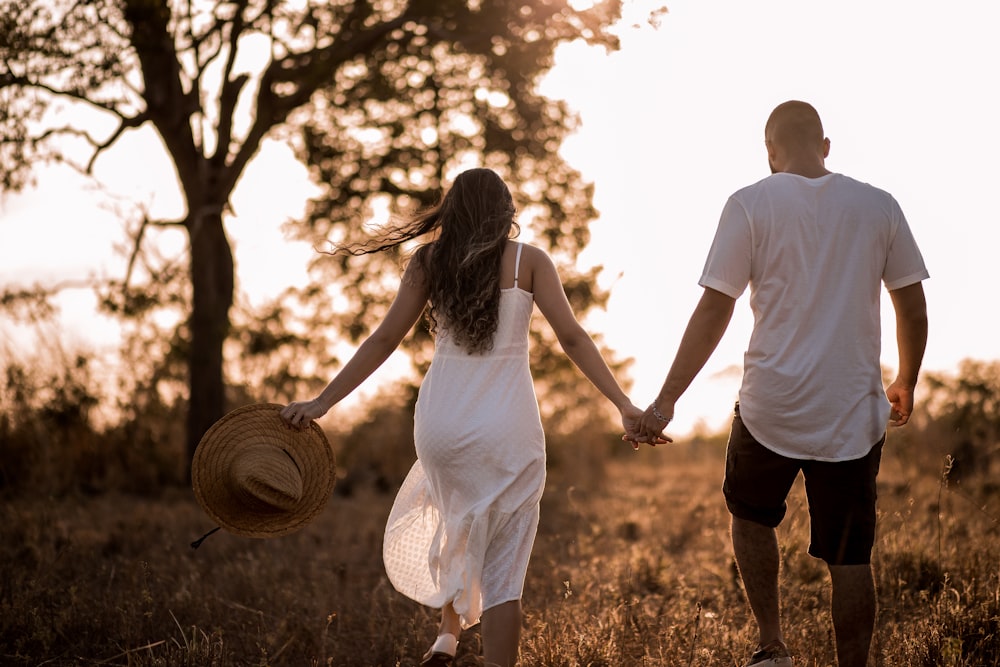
(65, 430)
(963, 418)
(57, 436)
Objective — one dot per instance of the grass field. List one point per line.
(632, 566)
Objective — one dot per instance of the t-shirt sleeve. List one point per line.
(727, 268)
(904, 264)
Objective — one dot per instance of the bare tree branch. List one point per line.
(75, 95)
(229, 95)
(127, 123)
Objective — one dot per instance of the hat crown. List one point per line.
(266, 477)
(258, 477)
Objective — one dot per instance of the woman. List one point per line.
(462, 526)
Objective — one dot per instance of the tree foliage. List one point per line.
(382, 99)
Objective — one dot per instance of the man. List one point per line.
(815, 248)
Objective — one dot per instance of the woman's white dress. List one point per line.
(464, 521)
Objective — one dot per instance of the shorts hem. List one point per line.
(837, 562)
(741, 512)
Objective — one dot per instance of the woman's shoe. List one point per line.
(442, 652)
(437, 660)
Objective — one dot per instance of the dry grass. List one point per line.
(632, 566)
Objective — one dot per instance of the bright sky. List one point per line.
(672, 124)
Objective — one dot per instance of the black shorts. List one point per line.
(841, 494)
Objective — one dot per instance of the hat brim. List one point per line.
(250, 425)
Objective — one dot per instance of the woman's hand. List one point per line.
(299, 414)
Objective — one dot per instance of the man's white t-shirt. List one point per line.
(815, 253)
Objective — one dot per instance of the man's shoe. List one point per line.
(774, 654)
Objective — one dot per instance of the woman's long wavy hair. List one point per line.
(472, 222)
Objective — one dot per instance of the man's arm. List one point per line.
(911, 339)
(704, 331)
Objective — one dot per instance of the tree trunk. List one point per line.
(212, 297)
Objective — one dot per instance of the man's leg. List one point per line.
(842, 497)
(756, 548)
(502, 634)
(853, 612)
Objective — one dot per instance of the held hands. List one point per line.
(652, 422)
(299, 414)
(631, 422)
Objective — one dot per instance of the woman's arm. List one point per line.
(574, 339)
(403, 314)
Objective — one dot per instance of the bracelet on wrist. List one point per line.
(657, 414)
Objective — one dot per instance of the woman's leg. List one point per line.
(450, 622)
(446, 642)
(502, 634)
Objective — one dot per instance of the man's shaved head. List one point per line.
(794, 125)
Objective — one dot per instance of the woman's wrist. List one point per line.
(323, 403)
(621, 402)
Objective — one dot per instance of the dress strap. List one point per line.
(517, 263)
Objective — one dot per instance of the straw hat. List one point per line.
(258, 477)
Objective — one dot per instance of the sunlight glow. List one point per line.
(670, 125)
(495, 98)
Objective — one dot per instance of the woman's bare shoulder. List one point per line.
(533, 257)
(531, 253)
(416, 268)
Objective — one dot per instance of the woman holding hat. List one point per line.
(463, 524)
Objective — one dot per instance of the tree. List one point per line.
(377, 96)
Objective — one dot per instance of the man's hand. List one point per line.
(901, 399)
